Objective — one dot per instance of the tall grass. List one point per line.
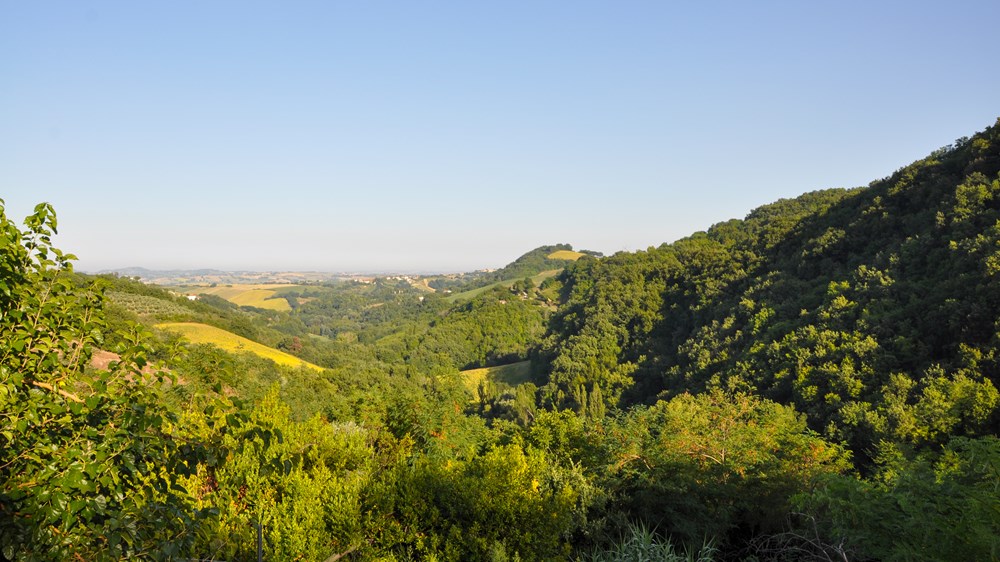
(641, 544)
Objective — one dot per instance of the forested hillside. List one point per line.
(817, 381)
(873, 311)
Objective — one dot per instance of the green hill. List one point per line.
(541, 261)
(872, 310)
(543, 258)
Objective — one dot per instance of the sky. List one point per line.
(450, 136)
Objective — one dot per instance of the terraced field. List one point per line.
(195, 332)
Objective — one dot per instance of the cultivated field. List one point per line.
(565, 255)
(144, 305)
(256, 295)
(195, 332)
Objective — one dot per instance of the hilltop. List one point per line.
(541, 260)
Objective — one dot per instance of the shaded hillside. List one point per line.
(873, 310)
(494, 328)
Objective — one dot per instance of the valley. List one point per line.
(817, 380)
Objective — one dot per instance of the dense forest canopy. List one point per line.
(816, 381)
(873, 311)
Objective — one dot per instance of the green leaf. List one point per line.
(73, 479)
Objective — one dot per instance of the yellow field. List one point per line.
(195, 332)
(259, 296)
(513, 374)
(565, 255)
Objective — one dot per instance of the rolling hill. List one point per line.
(196, 332)
(873, 311)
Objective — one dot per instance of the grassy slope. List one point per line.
(565, 255)
(466, 295)
(203, 333)
(513, 374)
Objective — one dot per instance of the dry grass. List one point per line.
(512, 374)
(565, 255)
(195, 332)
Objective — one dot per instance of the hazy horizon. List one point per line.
(447, 137)
(332, 272)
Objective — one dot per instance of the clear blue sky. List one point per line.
(457, 135)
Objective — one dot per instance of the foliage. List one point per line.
(88, 465)
(506, 502)
(495, 328)
(715, 389)
(936, 506)
(873, 311)
(301, 480)
(712, 465)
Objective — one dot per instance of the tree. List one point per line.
(713, 464)
(88, 467)
(936, 506)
